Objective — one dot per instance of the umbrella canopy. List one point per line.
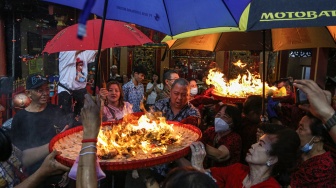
(276, 39)
(116, 34)
(265, 14)
(224, 41)
(169, 17)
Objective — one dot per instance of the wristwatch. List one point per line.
(330, 123)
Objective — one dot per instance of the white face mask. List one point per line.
(221, 125)
(194, 91)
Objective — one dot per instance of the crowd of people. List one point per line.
(238, 148)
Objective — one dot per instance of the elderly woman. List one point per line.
(222, 143)
(115, 107)
(272, 155)
(317, 168)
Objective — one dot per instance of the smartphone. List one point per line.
(300, 97)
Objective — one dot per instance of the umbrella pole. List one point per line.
(98, 69)
(264, 76)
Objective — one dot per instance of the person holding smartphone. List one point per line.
(319, 104)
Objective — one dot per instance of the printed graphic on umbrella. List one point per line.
(276, 40)
(225, 41)
(265, 14)
(176, 17)
(116, 34)
(169, 17)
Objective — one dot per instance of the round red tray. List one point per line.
(129, 165)
(226, 99)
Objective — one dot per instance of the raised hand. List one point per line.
(51, 167)
(103, 93)
(91, 116)
(198, 154)
(319, 100)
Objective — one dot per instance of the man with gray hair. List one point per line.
(177, 106)
(168, 79)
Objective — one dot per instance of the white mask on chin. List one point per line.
(193, 91)
(221, 125)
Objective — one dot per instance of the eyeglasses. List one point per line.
(42, 91)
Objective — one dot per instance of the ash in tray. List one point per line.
(150, 134)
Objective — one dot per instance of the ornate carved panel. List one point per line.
(146, 57)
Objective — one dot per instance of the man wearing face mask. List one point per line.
(317, 168)
(222, 143)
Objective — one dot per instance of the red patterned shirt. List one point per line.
(318, 171)
(232, 141)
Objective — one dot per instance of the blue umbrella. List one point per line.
(168, 16)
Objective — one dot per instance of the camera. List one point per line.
(300, 97)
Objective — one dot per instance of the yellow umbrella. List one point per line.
(300, 38)
(276, 40)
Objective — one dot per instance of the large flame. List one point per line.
(147, 135)
(239, 64)
(240, 87)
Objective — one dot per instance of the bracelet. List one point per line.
(89, 146)
(85, 153)
(89, 140)
(330, 123)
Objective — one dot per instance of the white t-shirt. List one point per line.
(67, 68)
(152, 96)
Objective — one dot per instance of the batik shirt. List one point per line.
(165, 93)
(133, 94)
(163, 106)
(9, 169)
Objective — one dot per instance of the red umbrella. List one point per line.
(116, 34)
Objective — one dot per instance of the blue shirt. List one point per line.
(163, 106)
(133, 94)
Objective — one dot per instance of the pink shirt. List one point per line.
(112, 113)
